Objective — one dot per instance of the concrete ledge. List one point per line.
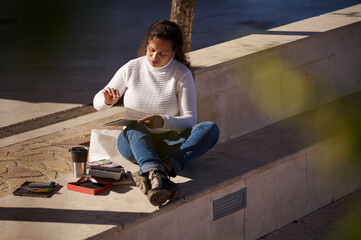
(290, 169)
(115, 111)
(252, 82)
(212, 57)
(45, 120)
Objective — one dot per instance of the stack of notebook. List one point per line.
(108, 170)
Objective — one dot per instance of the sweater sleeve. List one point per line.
(117, 82)
(187, 100)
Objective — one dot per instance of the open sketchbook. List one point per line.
(120, 122)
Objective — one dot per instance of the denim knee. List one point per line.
(202, 138)
(210, 128)
(123, 141)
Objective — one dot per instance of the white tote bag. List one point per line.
(103, 144)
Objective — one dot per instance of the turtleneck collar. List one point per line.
(158, 68)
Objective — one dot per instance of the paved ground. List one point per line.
(45, 154)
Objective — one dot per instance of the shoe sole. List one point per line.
(141, 182)
(158, 197)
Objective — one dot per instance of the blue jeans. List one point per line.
(178, 149)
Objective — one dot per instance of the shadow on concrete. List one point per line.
(352, 14)
(121, 189)
(45, 120)
(244, 154)
(67, 216)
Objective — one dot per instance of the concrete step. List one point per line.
(275, 175)
(284, 171)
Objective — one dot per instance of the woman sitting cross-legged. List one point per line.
(159, 91)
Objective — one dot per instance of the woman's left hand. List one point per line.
(152, 121)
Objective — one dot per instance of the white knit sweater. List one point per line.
(168, 91)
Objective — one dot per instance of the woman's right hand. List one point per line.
(111, 95)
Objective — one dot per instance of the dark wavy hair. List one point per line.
(166, 30)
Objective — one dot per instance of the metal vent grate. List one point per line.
(229, 204)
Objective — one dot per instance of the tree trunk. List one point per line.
(182, 13)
